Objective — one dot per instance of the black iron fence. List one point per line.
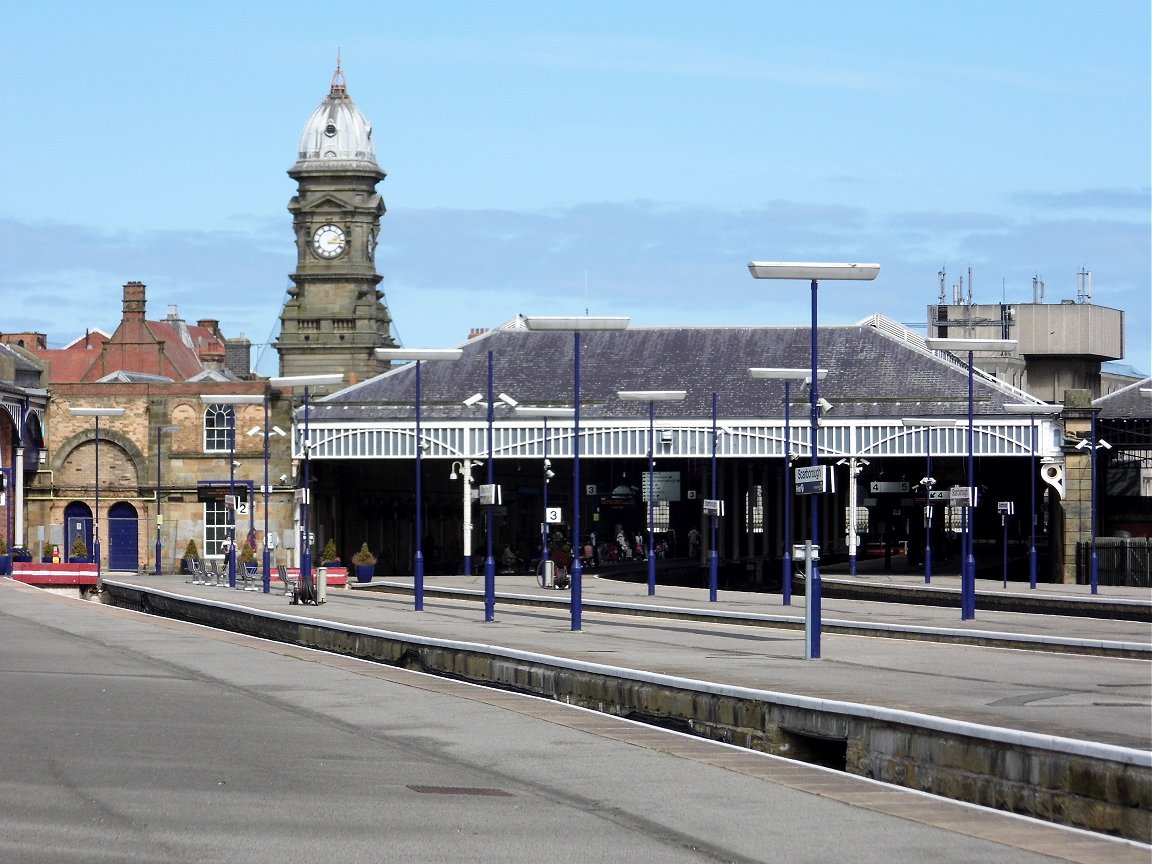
(1120, 561)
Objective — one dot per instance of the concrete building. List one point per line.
(1060, 346)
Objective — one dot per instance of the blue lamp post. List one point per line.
(97, 413)
(713, 560)
(267, 431)
(928, 481)
(1032, 410)
(814, 273)
(544, 412)
(787, 376)
(652, 397)
(576, 325)
(968, 567)
(419, 355)
(159, 515)
(232, 400)
(306, 382)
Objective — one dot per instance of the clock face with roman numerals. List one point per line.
(329, 241)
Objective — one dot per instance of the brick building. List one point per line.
(172, 454)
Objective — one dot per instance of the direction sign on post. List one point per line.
(810, 479)
(960, 496)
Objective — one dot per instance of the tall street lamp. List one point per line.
(97, 413)
(928, 481)
(713, 561)
(307, 382)
(787, 376)
(419, 355)
(576, 325)
(159, 515)
(544, 412)
(488, 493)
(1032, 410)
(652, 397)
(968, 566)
(814, 273)
(232, 400)
(267, 431)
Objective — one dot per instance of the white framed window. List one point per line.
(217, 527)
(218, 428)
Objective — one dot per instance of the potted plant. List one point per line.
(365, 563)
(22, 554)
(248, 557)
(330, 557)
(191, 553)
(79, 553)
(5, 559)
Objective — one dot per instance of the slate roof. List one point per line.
(872, 374)
(1127, 403)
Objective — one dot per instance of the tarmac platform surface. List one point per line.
(1092, 698)
(200, 745)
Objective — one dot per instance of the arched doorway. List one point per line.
(123, 537)
(77, 523)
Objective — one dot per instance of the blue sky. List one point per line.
(625, 158)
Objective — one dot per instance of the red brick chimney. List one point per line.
(134, 302)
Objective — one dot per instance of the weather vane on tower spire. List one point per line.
(339, 86)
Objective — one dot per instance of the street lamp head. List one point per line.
(785, 374)
(507, 400)
(473, 399)
(255, 430)
(289, 381)
(812, 272)
(419, 353)
(232, 398)
(96, 412)
(1030, 408)
(542, 411)
(929, 422)
(276, 430)
(575, 322)
(651, 395)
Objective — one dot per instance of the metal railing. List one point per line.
(1120, 561)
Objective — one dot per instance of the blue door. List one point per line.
(123, 537)
(77, 523)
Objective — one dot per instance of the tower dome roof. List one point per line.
(337, 132)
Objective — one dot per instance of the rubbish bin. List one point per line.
(321, 585)
(548, 574)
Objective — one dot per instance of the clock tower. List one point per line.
(334, 316)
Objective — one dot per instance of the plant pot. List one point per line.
(364, 572)
(5, 565)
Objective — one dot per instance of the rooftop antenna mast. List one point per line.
(941, 275)
(1084, 286)
(969, 286)
(1037, 289)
